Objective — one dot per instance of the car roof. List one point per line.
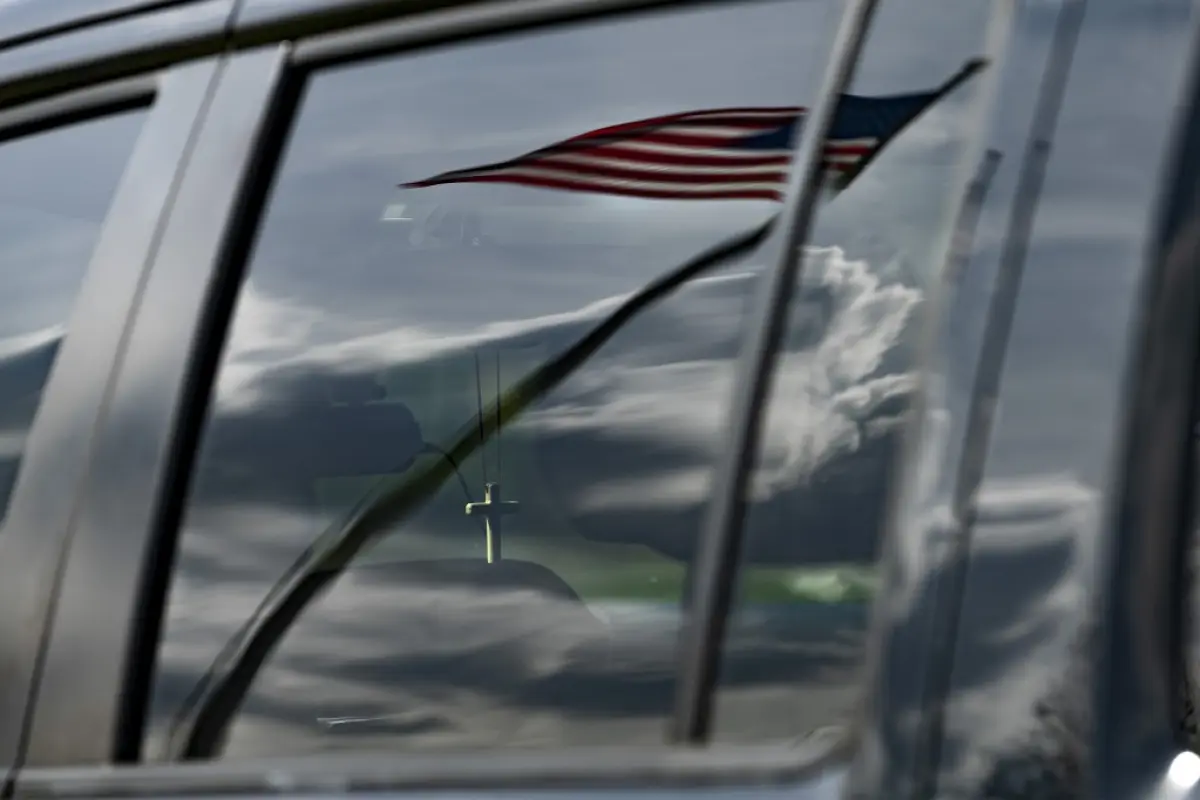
(25, 20)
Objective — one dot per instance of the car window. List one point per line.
(55, 190)
(410, 524)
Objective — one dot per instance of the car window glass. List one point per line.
(847, 374)
(55, 190)
(407, 273)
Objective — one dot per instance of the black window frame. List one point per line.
(91, 72)
(203, 257)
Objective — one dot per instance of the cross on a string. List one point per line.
(492, 509)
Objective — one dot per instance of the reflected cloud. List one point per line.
(1020, 638)
(642, 414)
(836, 388)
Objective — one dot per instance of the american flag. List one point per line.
(717, 154)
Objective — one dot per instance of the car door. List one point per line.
(308, 581)
(89, 160)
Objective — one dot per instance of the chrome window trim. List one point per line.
(61, 19)
(779, 772)
(461, 23)
(77, 106)
(127, 45)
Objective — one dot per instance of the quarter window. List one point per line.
(55, 190)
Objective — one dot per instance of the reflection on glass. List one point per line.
(844, 383)
(379, 324)
(55, 190)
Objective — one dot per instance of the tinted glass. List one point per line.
(376, 328)
(55, 189)
(846, 379)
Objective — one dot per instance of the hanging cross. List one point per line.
(493, 509)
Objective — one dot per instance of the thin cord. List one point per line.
(479, 408)
(435, 450)
(199, 689)
(499, 417)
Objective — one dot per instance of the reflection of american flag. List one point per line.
(718, 154)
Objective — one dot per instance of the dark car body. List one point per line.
(1026, 498)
